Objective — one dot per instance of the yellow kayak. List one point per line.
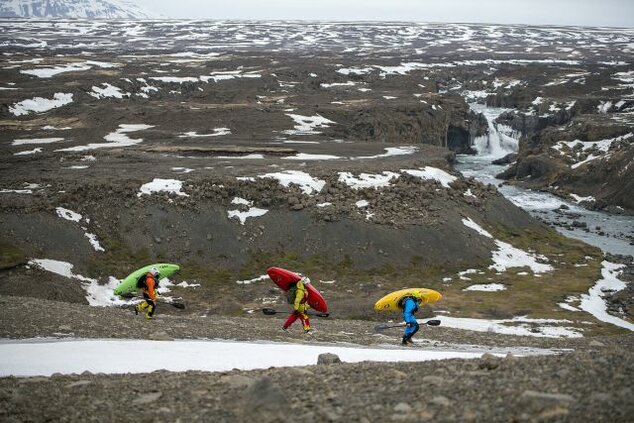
(391, 301)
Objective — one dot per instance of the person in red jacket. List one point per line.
(149, 284)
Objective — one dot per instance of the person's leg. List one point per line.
(140, 307)
(410, 329)
(304, 318)
(151, 306)
(291, 319)
(415, 329)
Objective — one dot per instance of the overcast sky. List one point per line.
(558, 12)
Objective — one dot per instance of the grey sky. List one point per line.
(558, 12)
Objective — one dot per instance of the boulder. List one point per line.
(541, 401)
(148, 398)
(489, 362)
(402, 407)
(508, 159)
(328, 358)
(440, 400)
(535, 167)
(265, 400)
(237, 381)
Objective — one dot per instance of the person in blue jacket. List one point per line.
(410, 306)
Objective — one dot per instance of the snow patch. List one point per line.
(107, 91)
(308, 157)
(306, 125)
(186, 284)
(250, 281)
(507, 256)
(306, 183)
(469, 223)
(96, 294)
(174, 79)
(338, 84)
(226, 75)
(27, 152)
(519, 326)
(489, 287)
(43, 358)
(182, 169)
(244, 215)
(354, 71)
(92, 238)
(76, 217)
(55, 70)
(68, 214)
(217, 133)
(567, 307)
(594, 303)
(604, 106)
(36, 141)
(40, 104)
(432, 173)
(367, 180)
(392, 151)
(115, 139)
(173, 186)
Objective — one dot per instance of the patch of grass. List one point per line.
(11, 256)
(547, 242)
(577, 268)
(210, 278)
(118, 259)
(356, 290)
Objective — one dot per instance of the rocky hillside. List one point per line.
(277, 146)
(328, 149)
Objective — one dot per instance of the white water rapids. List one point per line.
(605, 231)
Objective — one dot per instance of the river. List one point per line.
(606, 231)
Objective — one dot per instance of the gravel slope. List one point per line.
(591, 382)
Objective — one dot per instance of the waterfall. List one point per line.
(501, 139)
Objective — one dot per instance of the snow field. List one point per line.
(40, 104)
(43, 358)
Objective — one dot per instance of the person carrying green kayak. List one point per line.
(149, 284)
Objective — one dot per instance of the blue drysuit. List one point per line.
(410, 306)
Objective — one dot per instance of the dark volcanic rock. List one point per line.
(508, 159)
(539, 167)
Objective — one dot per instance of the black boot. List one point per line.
(405, 339)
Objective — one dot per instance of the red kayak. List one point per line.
(283, 278)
